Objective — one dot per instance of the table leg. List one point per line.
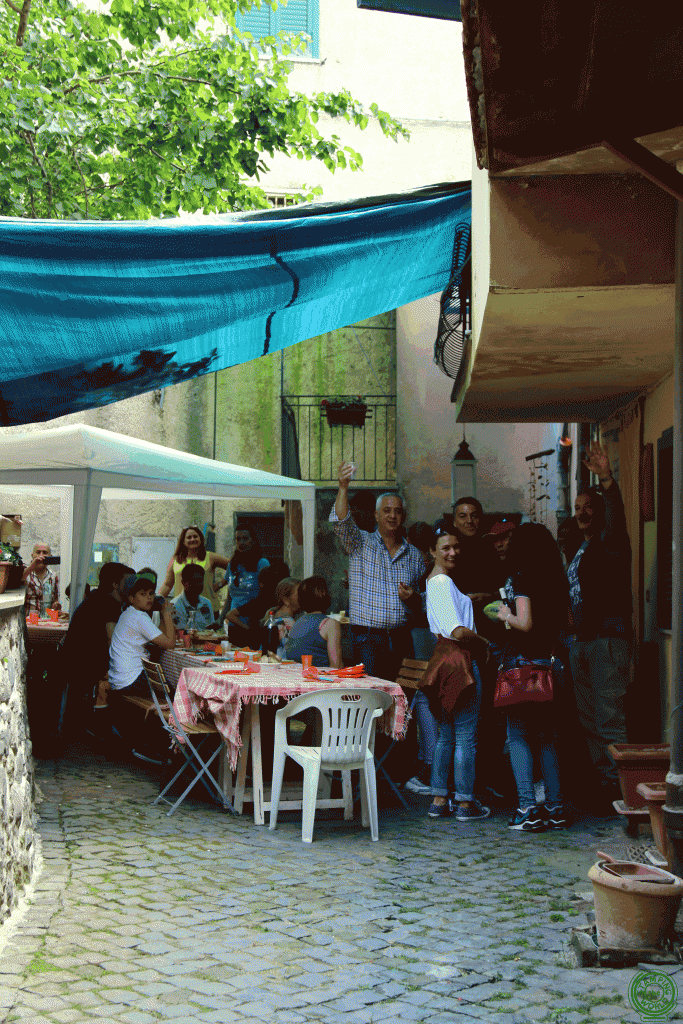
(224, 773)
(242, 759)
(347, 793)
(257, 765)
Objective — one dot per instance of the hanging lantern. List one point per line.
(463, 473)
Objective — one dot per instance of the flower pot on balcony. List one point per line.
(639, 762)
(351, 414)
(4, 575)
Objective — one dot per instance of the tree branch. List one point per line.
(140, 71)
(10, 4)
(27, 137)
(85, 187)
(23, 21)
(183, 170)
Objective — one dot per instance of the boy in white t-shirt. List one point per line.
(128, 647)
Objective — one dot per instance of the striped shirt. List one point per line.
(374, 575)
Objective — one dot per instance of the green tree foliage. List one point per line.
(143, 107)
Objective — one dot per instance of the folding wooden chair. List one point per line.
(181, 738)
(409, 675)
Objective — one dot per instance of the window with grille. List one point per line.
(297, 16)
(279, 199)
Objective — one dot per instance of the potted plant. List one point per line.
(342, 413)
(11, 568)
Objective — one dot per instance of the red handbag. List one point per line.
(522, 685)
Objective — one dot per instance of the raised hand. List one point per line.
(346, 471)
(596, 460)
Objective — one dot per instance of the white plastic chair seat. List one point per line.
(348, 722)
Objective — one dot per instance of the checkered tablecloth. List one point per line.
(46, 631)
(201, 693)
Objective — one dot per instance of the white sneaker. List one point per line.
(416, 785)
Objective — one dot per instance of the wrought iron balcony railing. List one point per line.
(321, 431)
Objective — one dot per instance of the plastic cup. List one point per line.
(306, 661)
(226, 647)
(187, 641)
(53, 614)
(33, 618)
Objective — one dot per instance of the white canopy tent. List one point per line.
(82, 464)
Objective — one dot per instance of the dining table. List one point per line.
(230, 694)
(45, 631)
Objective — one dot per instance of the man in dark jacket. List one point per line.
(84, 657)
(600, 593)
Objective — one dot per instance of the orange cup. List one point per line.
(187, 641)
(53, 614)
(33, 618)
(306, 661)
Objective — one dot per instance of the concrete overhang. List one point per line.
(555, 78)
(573, 250)
(572, 296)
(573, 354)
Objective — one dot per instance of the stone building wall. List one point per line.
(17, 816)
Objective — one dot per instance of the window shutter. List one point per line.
(297, 16)
(257, 21)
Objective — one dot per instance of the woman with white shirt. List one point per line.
(453, 683)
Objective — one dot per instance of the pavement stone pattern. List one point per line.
(138, 918)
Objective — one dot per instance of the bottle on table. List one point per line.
(271, 639)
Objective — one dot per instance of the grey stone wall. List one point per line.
(17, 816)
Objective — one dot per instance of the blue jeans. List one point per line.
(457, 744)
(381, 650)
(427, 728)
(531, 731)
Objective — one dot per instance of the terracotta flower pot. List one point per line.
(654, 795)
(4, 575)
(635, 905)
(639, 762)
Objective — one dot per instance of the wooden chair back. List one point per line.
(157, 679)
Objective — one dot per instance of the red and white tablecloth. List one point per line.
(202, 692)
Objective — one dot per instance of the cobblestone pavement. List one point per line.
(138, 918)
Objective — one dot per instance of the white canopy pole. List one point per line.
(66, 524)
(86, 509)
(308, 516)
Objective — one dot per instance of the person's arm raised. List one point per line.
(166, 639)
(167, 586)
(341, 505)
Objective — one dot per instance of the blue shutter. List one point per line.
(257, 21)
(297, 16)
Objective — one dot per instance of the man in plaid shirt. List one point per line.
(382, 565)
(42, 584)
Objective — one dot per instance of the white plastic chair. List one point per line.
(348, 727)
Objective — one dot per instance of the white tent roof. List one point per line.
(83, 464)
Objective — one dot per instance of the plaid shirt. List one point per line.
(374, 575)
(34, 590)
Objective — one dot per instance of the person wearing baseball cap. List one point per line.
(500, 534)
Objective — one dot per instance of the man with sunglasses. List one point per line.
(381, 566)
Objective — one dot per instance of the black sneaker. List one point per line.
(475, 812)
(530, 820)
(440, 810)
(555, 817)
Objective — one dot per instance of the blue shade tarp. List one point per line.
(94, 312)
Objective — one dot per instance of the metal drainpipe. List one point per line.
(673, 809)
